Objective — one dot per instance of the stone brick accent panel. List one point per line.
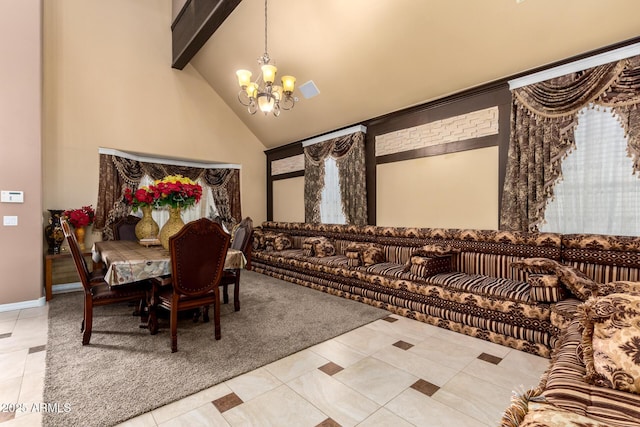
(287, 165)
(459, 128)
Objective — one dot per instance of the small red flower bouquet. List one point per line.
(143, 196)
(80, 217)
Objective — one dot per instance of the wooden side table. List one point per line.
(48, 269)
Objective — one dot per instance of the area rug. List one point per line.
(125, 371)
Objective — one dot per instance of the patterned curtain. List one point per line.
(543, 119)
(118, 173)
(349, 153)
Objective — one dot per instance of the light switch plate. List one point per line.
(10, 220)
(11, 196)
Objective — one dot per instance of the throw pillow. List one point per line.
(430, 251)
(611, 341)
(536, 265)
(428, 266)
(269, 240)
(308, 246)
(281, 242)
(578, 283)
(545, 288)
(258, 239)
(374, 254)
(353, 258)
(323, 248)
(355, 252)
(575, 280)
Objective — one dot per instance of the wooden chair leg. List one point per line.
(216, 317)
(205, 314)
(236, 293)
(88, 320)
(174, 328)
(225, 294)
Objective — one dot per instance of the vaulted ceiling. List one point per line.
(372, 57)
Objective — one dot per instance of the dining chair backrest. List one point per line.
(76, 253)
(242, 235)
(198, 252)
(125, 228)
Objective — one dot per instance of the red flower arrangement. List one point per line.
(80, 217)
(143, 196)
(176, 191)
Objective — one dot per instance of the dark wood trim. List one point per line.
(437, 150)
(294, 174)
(278, 153)
(476, 99)
(371, 177)
(193, 26)
(284, 151)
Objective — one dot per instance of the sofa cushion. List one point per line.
(543, 414)
(619, 287)
(565, 386)
(484, 285)
(611, 341)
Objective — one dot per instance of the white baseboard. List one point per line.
(66, 287)
(23, 304)
(55, 289)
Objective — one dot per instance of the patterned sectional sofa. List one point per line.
(522, 290)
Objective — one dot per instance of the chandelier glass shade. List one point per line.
(263, 93)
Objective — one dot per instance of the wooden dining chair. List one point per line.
(242, 242)
(125, 228)
(97, 291)
(198, 252)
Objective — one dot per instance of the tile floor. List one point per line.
(392, 372)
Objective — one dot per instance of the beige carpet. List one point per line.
(125, 371)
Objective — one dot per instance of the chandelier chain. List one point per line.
(265, 29)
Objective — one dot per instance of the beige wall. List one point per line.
(109, 83)
(288, 200)
(20, 142)
(458, 190)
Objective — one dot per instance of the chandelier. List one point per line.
(262, 93)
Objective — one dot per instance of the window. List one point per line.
(598, 192)
(331, 211)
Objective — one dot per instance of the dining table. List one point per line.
(129, 261)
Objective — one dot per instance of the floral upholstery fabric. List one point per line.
(281, 242)
(611, 341)
(318, 247)
(618, 287)
(545, 415)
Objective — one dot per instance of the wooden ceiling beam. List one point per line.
(196, 22)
